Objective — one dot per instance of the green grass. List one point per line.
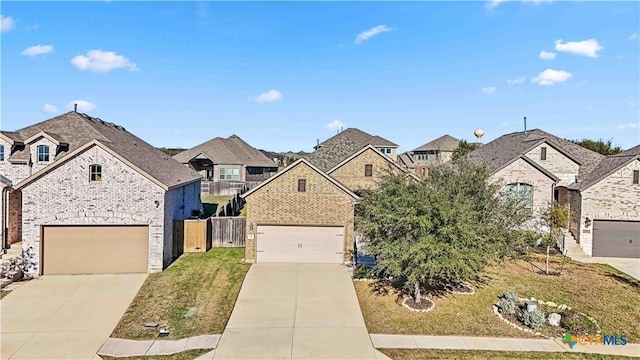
(209, 282)
(185, 355)
(402, 354)
(4, 293)
(600, 291)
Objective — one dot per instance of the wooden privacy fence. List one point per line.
(200, 235)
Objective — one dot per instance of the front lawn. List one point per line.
(481, 354)
(600, 291)
(193, 296)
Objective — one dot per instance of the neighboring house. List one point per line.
(349, 141)
(300, 215)
(435, 152)
(90, 197)
(228, 165)
(536, 166)
(606, 207)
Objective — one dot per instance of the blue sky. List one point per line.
(283, 74)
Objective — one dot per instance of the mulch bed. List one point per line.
(424, 305)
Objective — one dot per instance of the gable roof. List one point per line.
(293, 165)
(377, 152)
(406, 160)
(506, 148)
(80, 130)
(339, 147)
(231, 151)
(444, 142)
(4, 181)
(607, 166)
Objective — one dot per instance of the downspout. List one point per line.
(5, 216)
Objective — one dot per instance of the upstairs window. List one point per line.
(368, 170)
(43, 153)
(520, 192)
(95, 172)
(543, 153)
(1, 152)
(229, 174)
(636, 176)
(302, 185)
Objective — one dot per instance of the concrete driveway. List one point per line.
(64, 316)
(296, 311)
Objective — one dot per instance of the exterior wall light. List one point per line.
(587, 222)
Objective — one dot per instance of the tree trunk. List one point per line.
(418, 298)
(547, 269)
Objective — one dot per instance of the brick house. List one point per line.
(606, 207)
(90, 197)
(228, 165)
(300, 215)
(348, 141)
(602, 193)
(435, 152)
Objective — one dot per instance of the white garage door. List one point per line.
(300, 244)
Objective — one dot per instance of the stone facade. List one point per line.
(279, 203)
(33, 149)
(556, 163)
(352, 173)
(521, 171)
(612, 198)
(66, 196)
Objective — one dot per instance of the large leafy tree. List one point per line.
(441, 231)
(463, 149)
(599, 146)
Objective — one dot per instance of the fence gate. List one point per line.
(228, 231)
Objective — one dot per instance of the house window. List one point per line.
(95, 172)
(520, 192)
(543, 153)
(43, 153)
(368, 170)
(229, 174)
(1, 152)
(636, 176)
(388, 150)
(302, 185)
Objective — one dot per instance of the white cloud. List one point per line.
(547, 55)
(633, 36)
(268, 96)
(368, 34)
(82, 105)
(516, 81)
(6, 23)
(48, 108)
(334, 125)
(628, 126)
(102, 61)
(492, 4)
(488, 90)
(632, 104)
(620, 57)
(588, 48)
(551, 77)
(37, 50)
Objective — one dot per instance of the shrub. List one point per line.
(578, 323)
(362, 272)
(506, 306)
(510, 295)
(533, 319)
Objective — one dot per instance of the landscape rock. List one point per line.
(551, 304)
(554, 319)
(562, 307)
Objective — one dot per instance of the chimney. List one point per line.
(75, 107)
(525, 124)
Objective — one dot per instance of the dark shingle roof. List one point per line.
(504, 149)
(445, 142)
(607, 166)
(406, 160)
(79, 129)
(231, 151)
(339, 147)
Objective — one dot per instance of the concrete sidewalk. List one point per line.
(629, 266)
(381, 341)
(122, 347)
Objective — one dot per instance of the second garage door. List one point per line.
(300, 244)
(95, 249)
(616, 238)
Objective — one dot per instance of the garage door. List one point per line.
(616, 238)
(95, 249)
(300, 244)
